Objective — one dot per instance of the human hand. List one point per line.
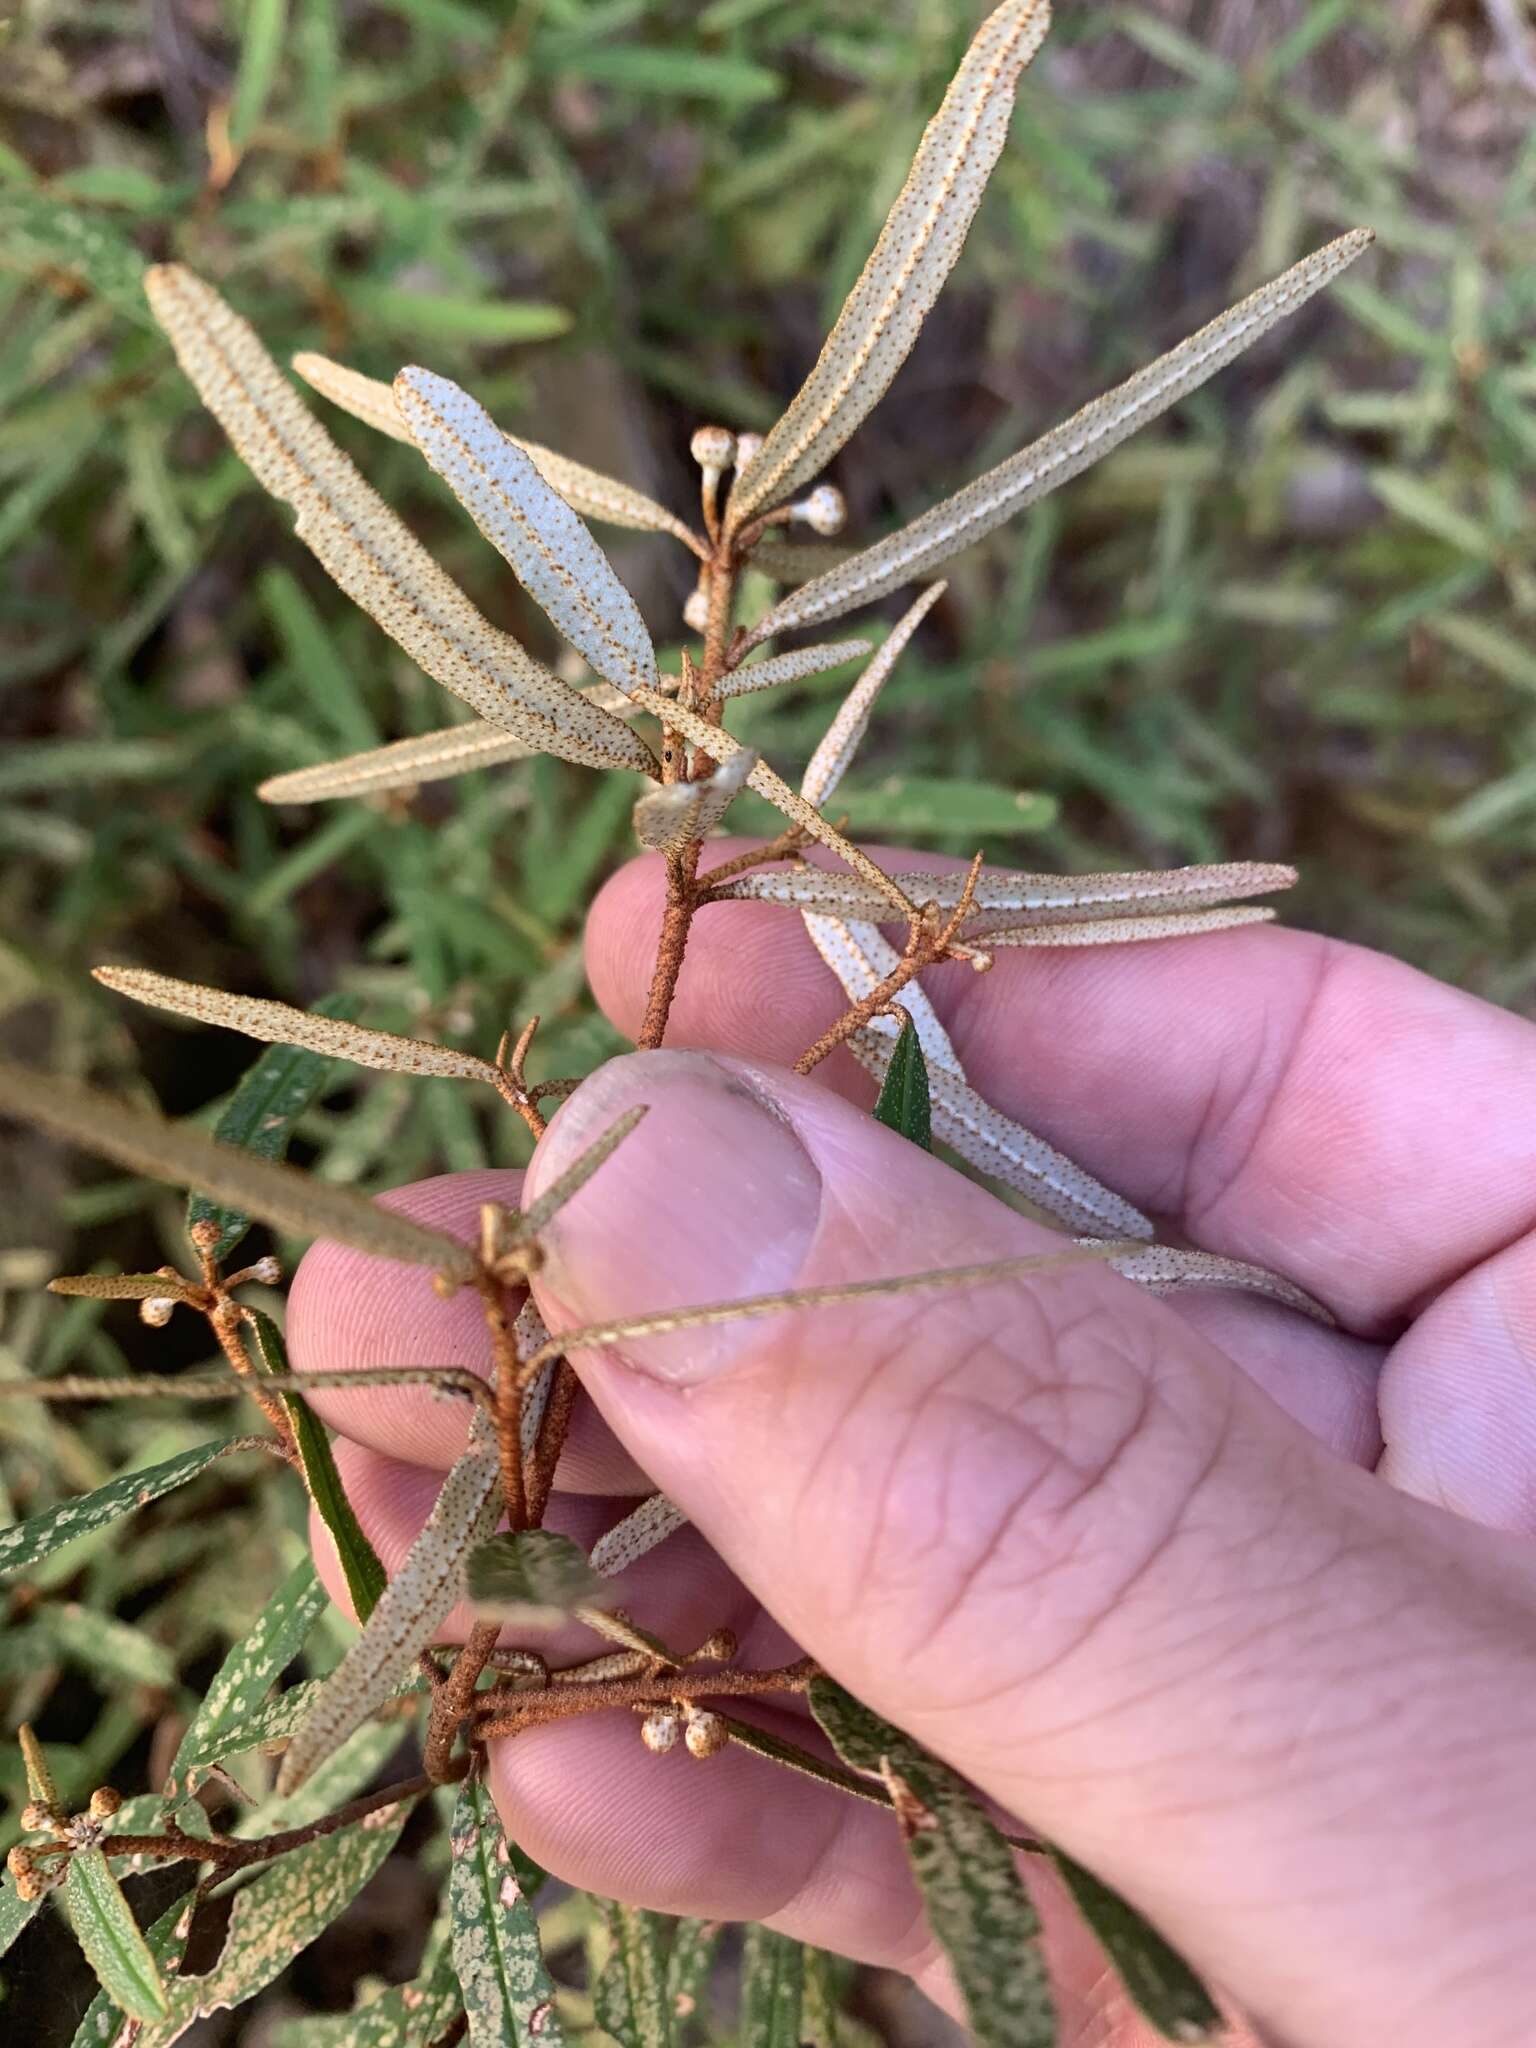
(1150, 1603)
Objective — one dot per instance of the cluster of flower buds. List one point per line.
(37, 1871)
(703, 1732)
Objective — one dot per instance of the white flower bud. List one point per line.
(713, 449)
(747, 446)
(705, 1732)
(269, 1271)
(659, 1730)
(156, 1310)
(696, 610)
(823, 509)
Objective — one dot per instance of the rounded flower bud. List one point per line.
(659, 1730)
(26, 1873)
(38, 1817)
(747, 446)
(157, 1310)
(696, 611)
(713, 449)
(705, 1732)
(269, 1271)
(105, 1801)
(205, 1234)
(823, 509)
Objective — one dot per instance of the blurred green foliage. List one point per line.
(1293, 620)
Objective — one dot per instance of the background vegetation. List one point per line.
(1293, 620)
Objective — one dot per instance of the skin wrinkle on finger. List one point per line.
(1381, 1207)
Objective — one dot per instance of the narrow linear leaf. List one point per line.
(277, 1916)
(1161, 1984)
(261, 49)
(587, 491)
(426, 757)
(149, 1144)
(27, 1542)
(903, 1103)
(108, 1933)
(542, 1211)
(631, 1995)
(720, 746)
(792, 667)
(253, 1666)
(923, 235)
(166, 1939)
(1123, 931)
(281, 1024)
(1068, 449)
(361, 544)
(414, 2015)
(364, 1574)
(40, 232)
(688, 1965)
(640, 1531)
(977, 1906)
(844, 736)
(16, 1913)
(776, 1750)
(118, 1286)
(861, 956)
(796, 561)
(261, 1114)
(772, 1990)
(551, 552)
(533, 1576)
(1170, 1269)
(409, 1610)
(508, 1993)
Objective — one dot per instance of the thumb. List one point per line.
(1057, 1536)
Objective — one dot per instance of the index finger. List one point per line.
(1278, 1096)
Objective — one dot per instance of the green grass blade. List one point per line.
(508, 1994)
(40, 1535)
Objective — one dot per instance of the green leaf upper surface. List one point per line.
(688, 1961)
(253, 1666)
(631, 1996)
(107, 1931)
(406, 2016)
(42, 1534)
(16, 1913)
(260, 1115)
(166, 1940)
(364, 1574)
(772, 1990)
(903, 1101)
(977, 1906)
(1157, 1977)
(508, 1994)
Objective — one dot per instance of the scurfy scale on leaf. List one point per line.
(1060, 455)
(586, 491)
(552, 554)
(918, 245)
(361, 543)
(838, 745)
(793, 667)
(666, 819)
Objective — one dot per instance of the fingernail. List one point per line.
(712, 1198)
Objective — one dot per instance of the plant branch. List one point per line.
(502, 1713)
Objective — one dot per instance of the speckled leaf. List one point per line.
(104, 2024)
(1170, 1269)
(147, 1143)
(276, 1917)
(842, 738)
(41, 233)
(640, 1531)
(414, 2015)
(281, 1024)
(923, 234)
(260, 1116)
(253, 1666)
(977, 1906)
(375, 559)
(721, 746)
(409, 1611)
(551, 552)
(1160, 1982)
(116, 1286)
(688, 1965)
(772, 1990)
(1064, 452)
(587, 491)
(364, 1574)
(791, 667)
(41, 1534)
(507, 1991)
(16, 1913)
(108, 1933)
(903, 1102)
(861, 957)
(533, 1576)
(1121, 931)
(631, 1996)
